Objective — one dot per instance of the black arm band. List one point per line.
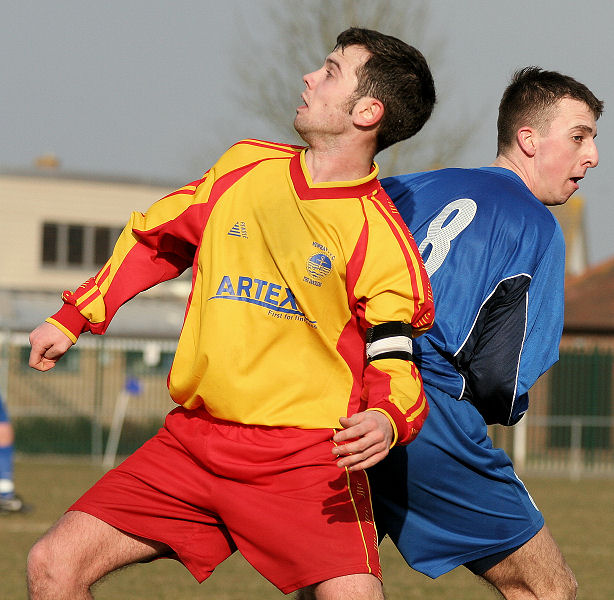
(390, 329)
(389, 340)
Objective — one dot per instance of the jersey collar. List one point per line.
(503, 171)
(307, 190)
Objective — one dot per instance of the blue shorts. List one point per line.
(450, 498)
(4, 415)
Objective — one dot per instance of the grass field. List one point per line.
(580, 515)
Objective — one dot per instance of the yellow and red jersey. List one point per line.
(287, 277)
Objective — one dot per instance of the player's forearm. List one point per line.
(153, 247)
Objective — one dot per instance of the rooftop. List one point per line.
(589, 300)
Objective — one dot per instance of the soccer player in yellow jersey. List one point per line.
(293, 371)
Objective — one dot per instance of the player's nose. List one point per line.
(592, 155)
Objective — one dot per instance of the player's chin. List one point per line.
(561, 198)
(303, 131)
(571, 187)
(298, 125)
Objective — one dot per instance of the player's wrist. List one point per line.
(393, 427)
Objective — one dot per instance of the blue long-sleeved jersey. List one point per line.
(495, 256)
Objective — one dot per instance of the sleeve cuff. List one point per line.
(69, 321)
(395, 431)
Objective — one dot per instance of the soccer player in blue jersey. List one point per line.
(10, 502)
(495, 256)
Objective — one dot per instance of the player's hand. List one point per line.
(364, 440)
(49, 344)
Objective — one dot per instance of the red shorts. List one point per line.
(206, 487)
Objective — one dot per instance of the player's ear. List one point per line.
(368, 112)
(526, 138)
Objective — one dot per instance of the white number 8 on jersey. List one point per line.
(439, 236)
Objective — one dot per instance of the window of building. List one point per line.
(77, 246)
(103, 244)
(50, 243)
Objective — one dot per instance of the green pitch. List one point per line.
(580, 516)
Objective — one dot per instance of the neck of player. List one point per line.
(338, 162)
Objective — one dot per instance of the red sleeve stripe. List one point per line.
(412, 264)
(421, 402)
(83, 292)
(81, 305)
(103, 274)
(427, 317)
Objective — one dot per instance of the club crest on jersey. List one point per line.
(279, 301)
(319, 265)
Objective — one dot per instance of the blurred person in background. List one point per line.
(10, 502)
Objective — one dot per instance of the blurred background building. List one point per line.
(58, 230)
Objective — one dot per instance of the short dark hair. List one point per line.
(398, 76)
(530, 98)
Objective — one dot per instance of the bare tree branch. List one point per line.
(304, 32)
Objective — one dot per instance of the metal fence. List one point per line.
(105, 396)
(560, 445)
(108, 395)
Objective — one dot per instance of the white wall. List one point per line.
(27, 202)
